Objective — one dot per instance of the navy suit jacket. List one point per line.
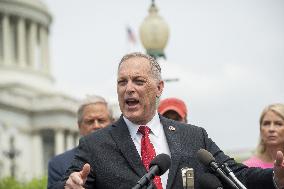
(58, 165)
(116, 164)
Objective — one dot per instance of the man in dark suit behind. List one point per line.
(112, 158)
(93, 114)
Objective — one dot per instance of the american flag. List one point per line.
(130, 35)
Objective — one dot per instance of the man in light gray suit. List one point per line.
(112, 158)
(93, 114)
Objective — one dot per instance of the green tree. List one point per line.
(11, 183)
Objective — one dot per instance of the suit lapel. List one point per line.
(124, 142)
(173, 139)
(127, 147)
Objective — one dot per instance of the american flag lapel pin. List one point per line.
(172, 128)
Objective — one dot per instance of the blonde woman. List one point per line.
(271, 137)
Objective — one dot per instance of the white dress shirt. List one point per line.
(157, 138)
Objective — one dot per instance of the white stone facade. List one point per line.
(41, 120)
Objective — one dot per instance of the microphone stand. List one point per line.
(150, 186)
(230, 173)
(146, 180)
(215, 167)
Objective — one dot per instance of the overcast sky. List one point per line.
(228, 56)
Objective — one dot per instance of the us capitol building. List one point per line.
(36, 121)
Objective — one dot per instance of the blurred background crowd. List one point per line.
(222, 63)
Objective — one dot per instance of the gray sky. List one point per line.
(227, 54)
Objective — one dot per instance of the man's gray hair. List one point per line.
(92, 99)
(155, 67)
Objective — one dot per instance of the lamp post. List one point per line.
(12, 153)
(154, 32)
(154, 35)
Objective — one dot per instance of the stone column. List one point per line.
(37, 155)
(44, 49)
(32, 44)
(47, 55)
(2, 139)
(77, 139)
(70, 141)
(59, 142)
(21, 32)
(2, 41)
(7, 54)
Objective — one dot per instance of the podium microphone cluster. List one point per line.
(223, 171)
(209, 181)
(158, 166)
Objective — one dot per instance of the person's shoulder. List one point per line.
(69, 154)
(254, 161)
(183, 126)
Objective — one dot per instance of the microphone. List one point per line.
(229, 172)
(209, 181)
(207, 159)
(158, 166)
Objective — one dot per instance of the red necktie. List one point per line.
(148, 152)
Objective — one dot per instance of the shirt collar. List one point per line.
(154, 125)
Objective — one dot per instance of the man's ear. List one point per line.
(160, 88)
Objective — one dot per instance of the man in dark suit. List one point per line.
(114, 157)
(93, 114)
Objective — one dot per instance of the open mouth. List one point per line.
(131, 102)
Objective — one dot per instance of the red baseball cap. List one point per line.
(174, 104)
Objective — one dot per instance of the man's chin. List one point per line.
(134, 118)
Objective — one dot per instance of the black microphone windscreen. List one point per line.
(205, 157)
(209, 181)
(163, 161)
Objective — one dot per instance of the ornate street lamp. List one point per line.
(11, 154)
(154, 33)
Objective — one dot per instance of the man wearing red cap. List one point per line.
(173, 108)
